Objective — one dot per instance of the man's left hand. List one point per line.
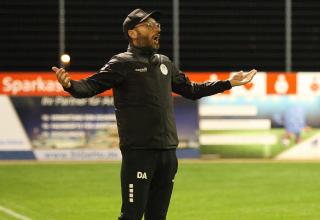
(241, 78)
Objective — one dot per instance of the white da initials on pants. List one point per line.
(141, 175)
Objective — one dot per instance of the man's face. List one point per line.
(148, 34)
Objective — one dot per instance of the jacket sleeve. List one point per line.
(191, 90)
(109, 76)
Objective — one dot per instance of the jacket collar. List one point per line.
(142, 51)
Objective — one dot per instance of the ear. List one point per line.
(132, 34)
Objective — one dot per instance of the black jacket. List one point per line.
(142, 82)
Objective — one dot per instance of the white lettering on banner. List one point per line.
(142, 175)
(78, 117)
(70, 101)
(67, 101)
(112, 154)
(64, 134)
(47, 101)
(15, 86)
(78, 125)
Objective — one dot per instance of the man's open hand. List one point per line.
(62, 76)
(241, 78)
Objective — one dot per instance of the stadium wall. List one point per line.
(40, 121)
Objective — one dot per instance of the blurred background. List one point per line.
(206, 39)
(212, 35)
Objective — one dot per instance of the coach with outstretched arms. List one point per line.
(142, 81)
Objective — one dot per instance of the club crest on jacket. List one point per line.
(164, 69)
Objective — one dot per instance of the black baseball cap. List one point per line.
(137, 16)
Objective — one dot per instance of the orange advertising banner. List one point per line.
(279, 83)
(36, 84)
(45, 83)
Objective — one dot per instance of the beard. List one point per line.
(152, 42)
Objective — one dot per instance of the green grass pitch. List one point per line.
(203, 191)
(254, 150)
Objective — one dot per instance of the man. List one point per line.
(294, 121)
(142, 83)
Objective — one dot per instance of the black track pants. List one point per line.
(147, 178)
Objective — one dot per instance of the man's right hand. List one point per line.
(62, 76)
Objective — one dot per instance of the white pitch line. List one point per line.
(13, 214)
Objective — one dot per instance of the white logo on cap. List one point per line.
(140, 14)
(164, 69)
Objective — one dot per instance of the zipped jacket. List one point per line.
(142, 82)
